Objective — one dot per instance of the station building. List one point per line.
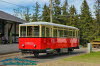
(9, 28)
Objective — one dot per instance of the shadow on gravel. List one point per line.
(52, 56)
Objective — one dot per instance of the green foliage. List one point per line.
(73, 18)
(46, 14)
(97, 39)
(36, 14)
(56, 11)
(65, 14)
(27, 15)
(86, 24)
(65, 8)
(97, 21)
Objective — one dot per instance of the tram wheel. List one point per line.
(48, 53)
(70, 49)
(58, 50)
(36, 54)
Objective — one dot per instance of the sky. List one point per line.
(7, 7)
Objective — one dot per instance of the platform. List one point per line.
(8, 48)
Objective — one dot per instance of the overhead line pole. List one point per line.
(51, 17)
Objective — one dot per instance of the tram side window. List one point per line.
(43, 31)
(55, 33)
(70, 33)
(29, 31)
(60, 33)
(47, 32)
(73, 33)
(35, 31)
(23, 31)
(65, 33)
(78, 34)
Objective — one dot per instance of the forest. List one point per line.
(67, 15)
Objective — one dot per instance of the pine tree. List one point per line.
(73, 18)
(86, 23)
(97, 14)
(27, 15)
(56, 11)
(65, 8)
(36, 14)
(46, 14)
(65, 13)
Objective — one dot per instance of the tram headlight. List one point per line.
(34, 45)
(23, 45)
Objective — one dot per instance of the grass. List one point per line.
(93, 57)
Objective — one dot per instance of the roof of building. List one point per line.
(10, 17)
(48, 23)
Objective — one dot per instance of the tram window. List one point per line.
(70, 33)
(35, 31)
(55, 33)
(51, 32)
(60, 33)
(43, 31)
(29, 31)
(47, 32)
(23, 31)
(73, 33)
(78, 33)
(65, 33)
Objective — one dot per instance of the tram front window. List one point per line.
(35, 31)
(23, 31)
(29, 31)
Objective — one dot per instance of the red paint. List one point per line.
(44, 43)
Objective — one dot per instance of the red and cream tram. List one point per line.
(46, 37)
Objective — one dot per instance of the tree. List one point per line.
(46, 14)
(24, 13)
(65, 8)
(97, 14)
(36, 13)
(27, 15)
(73, 17)
(65, 13)
(86, 24)
(56, 11)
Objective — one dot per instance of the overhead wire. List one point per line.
(13, 4)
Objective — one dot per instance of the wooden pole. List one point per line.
(51, 11)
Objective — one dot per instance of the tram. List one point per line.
(46, 37)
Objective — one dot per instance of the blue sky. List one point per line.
(29, 3)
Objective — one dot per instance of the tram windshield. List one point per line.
(29, 31)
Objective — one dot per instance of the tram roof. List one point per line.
(48, 23)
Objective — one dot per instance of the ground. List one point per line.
(67, 63)
(63, 59)
(89, 59)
